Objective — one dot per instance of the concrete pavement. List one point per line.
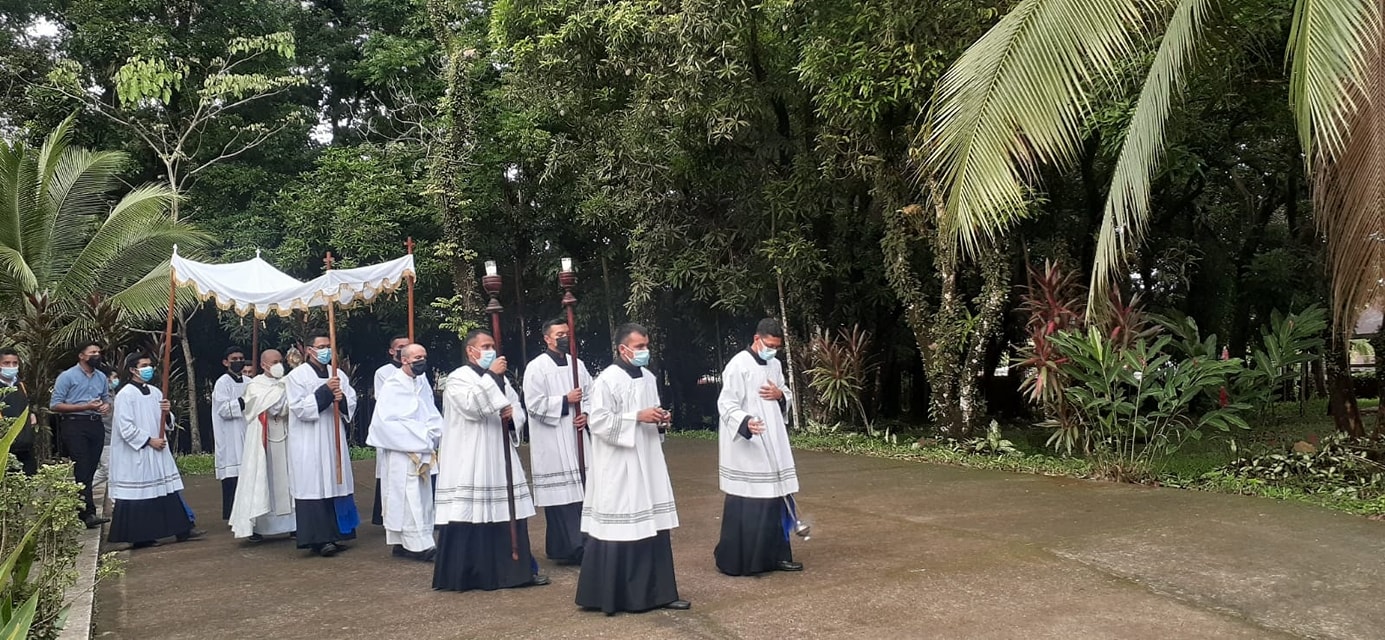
(900, 550)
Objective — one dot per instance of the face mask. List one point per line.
(9, 373)
(564, 345)
(94, 362)
(487, 357)
(420, 366)
(768, 353)
(640, 358)
(277, 371)
(324, 355)
(113, 384)
(146, 373)
(236, 366)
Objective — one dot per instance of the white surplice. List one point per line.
(381, 375)
(471, 471)
(263, 504)
(629, 496)
(404, 430)
(228, 424)
(552, 439)
(312, 440)
(761, 466)
(139, 471)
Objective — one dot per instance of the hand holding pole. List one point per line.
(332, 373)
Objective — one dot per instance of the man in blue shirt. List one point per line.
(81, 396)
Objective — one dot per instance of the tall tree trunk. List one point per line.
(1342, 399)
(610, 306)
(794, 400)
(990, 303)
(451, 156)
(193, 418)
(1378, 345)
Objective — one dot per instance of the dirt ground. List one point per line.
(900, 550)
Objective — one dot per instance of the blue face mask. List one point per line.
(487, 357)
(9, 373)
(768, 353)
(640, 358)
(114, 384)
(324, 355)
(146, 373)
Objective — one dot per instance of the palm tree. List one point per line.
(76, 262)
(1018, 99)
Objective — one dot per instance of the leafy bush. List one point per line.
(992, 444)
(39, 532)
(841, 367)
(1339, 465)
(1136, 404)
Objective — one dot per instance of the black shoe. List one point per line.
(191, 534)
(539, 581)
(94, 522)
(789, 565)
(255, 537)
(429, 555)
(680, 605)
(293, 535)
(328, 550)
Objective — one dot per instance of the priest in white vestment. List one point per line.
(549, 397)
(629, 510)
(382, 374)
(325, 504)
(228, 425)
(481, 413)
(756, 467)
(144, 481)
(405, 430)
(264, 506)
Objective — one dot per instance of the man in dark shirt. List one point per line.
(16, 400)
(80, 397)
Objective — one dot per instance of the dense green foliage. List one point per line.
(705, 163)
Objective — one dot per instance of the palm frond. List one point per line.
(76, 203)
(147, 299)
(1015, 101)
(1349, 185)
(1127, 204)
(1327, 51)
(137, 217)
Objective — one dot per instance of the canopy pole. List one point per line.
(254, 341)
(165, 365)
(409, 244)
(332, 340)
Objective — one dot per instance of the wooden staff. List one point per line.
(491, 283)
(409, 244)
(567, 280)
(332, 372)
(254, 341)
(168, 342)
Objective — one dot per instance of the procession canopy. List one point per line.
(255, 286)
(361, 284)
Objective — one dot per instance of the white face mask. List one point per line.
(277, 371)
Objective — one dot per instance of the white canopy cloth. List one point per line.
(256, 286)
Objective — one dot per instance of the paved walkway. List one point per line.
(901, 550)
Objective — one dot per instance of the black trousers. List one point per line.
(84, 436)
(26, 460)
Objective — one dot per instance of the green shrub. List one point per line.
(39, 532)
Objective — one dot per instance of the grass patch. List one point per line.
(1199, 465)
(196, 464)
(204, 464)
